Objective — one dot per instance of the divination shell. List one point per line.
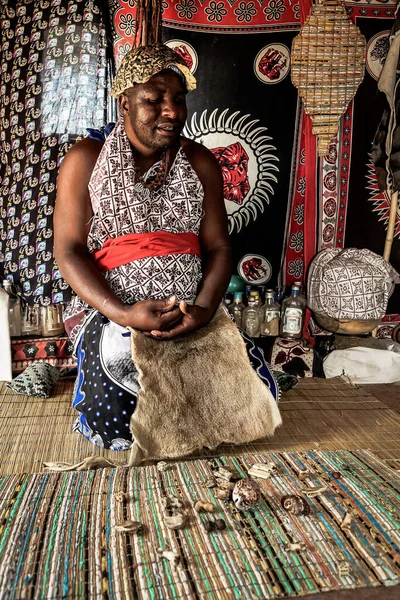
(295, 505)
(246, 494)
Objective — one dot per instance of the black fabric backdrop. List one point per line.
(230, 83)
(363, 228)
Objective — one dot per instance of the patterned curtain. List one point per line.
(55, 78)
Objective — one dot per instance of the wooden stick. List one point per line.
(391, 225)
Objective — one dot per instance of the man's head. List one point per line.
(151, 86)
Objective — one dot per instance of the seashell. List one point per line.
(163, 466)
(222, 494)
(295, 505)
(294, 546)
(173, 557)
(206, 506)
(246, 494)
(129, 526)
(311, 492)
(176, 521)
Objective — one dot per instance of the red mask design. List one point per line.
(272, 64)
(253, 269)
(234, 162)
(183, 53)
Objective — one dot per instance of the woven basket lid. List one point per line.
(328, 64)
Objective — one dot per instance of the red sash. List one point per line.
(127, 248)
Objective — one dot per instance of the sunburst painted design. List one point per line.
(380, 199)
(223, 129)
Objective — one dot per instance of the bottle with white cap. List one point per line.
(293, 308)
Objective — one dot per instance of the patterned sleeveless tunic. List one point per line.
(121, 206)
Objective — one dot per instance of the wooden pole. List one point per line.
(391, 225)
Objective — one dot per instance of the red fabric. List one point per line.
(310, 198)
(127, 248)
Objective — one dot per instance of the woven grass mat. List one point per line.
(58, 537)
(328, 414)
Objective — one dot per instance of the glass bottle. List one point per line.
(227, 300)
(52, 320)
(251, 319)
(255, 297)
(236, 308)
(262, 289)
(31, 320)
(293, 308)
(14, 310)
(271, 311)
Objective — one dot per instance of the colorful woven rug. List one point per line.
(58, 537)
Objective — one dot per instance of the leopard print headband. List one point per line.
(140, 64)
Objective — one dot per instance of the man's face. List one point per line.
(155, 112)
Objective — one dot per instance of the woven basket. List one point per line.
(327, 65)
(355, 327)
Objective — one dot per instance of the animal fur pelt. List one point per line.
(198, 391)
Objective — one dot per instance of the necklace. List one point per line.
(157, 177)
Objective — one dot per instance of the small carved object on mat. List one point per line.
(173, 557)
(176, 521)
(295, 505)
(346, 523)
(311, 492)
(295, 546)
(121, 496)
(222, 494)
(204, 506)
(171, 501)
(163, 466)
(262, 470)
(129, 526)
(343, 569)
(246, 494)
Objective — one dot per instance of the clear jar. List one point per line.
(31, 320)
(52, 320)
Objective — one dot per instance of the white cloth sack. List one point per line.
(5, 352)
(364, 365)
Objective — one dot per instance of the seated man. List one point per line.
(141, 236)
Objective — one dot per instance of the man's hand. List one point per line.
(149, 315)
(194, 317)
